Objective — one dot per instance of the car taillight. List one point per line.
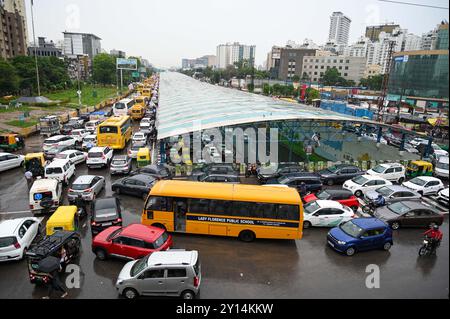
(17, 245)
(119, 220)
(88, 190)
(196, 281)
(70, 190)
(31, 206)
(94, 224)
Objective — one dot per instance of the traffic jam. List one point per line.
(95, 186)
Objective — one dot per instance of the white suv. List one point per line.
(393, 172)
(99, 157)
(361, 184)
(59, 140)
(61, 170)
(79, 135)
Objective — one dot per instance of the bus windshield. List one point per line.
(108, 130)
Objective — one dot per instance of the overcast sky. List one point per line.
(165, 31)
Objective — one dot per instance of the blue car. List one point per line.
(360, 234)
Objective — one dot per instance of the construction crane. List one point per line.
(387, 70)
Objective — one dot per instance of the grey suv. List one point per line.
(175, 273)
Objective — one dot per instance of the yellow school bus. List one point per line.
(243, 211)
(115, 132)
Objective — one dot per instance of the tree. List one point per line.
(331, 77)
(312, 94)
(26, 69)
(374, 82)
(9, 81)
(295, 78)
(104, 69)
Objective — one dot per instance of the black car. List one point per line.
(266, 173)
(156, 171)
(338, 174)
(51, 153)
(86, 117)
(312, 182)
(137, 185)
(218, 178)
(221, 169)
(106, 212)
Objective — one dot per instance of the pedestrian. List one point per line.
(29, 178)
(55, 284)
(303, 189)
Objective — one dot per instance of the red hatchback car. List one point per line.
(344, 197)
(132, 242)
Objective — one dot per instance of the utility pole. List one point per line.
(35, 50)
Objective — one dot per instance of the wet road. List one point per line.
(264, 269)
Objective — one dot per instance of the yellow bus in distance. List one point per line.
(115, 132)
(243, 211)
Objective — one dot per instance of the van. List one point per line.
(45, 194)
(123, 107)
(175, 273)
(62, 170)
(441, 169)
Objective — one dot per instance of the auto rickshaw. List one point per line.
(53, 252)
(419, 168)
(143, 157)
(11, 142)
(64, 218)
(137, 112)
(35, 163)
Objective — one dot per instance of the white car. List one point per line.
(91, 126)
(59, 140)
(146, 127)
(16, 237)
(99, 157)
(393, 172)
(78, 135)
(326, 213)
(373, 137)
(139, 137)
(48, 191)
(417, 141)
(10, 161)
(361, 184)
(61, 170)
(146, 120)
(441, 169)
(425, 185)
(443, 196)
(89, 142)
(74, 156)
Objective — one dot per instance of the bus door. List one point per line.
(180, 208)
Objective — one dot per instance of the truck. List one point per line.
(49, 126)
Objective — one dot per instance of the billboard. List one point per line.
(127, 64)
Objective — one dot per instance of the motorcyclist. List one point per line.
(81, 204)
(379, 201)
(435, 236)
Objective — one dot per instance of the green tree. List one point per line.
(267, 89)
(26, 69)
(9, 81)
(372, 82)
(104, 69)
(296, 78)
(312, 94)
(331, 77)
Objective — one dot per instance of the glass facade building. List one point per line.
(420, 75)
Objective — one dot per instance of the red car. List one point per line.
(132, 242)
(344, 197)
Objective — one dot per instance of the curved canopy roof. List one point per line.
(187, 105)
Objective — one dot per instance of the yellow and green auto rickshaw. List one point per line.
(65, 218)
(11, 142)
(419, 168)
(143, 157)
(35, 163)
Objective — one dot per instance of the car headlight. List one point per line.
(119, 282)
(340, 242)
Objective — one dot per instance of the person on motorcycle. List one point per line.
(435, 235)
(380, 201)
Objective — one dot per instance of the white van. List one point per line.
(123, 107)
(91, 126)
(61, 170)
(441, 169)
(45, 191)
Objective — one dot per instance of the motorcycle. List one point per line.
(427, 247)
(369, 208)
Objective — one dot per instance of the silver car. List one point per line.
(120, 165)
(392, 194)
(88, 186)
(174, 273)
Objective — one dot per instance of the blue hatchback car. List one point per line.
(360, 234)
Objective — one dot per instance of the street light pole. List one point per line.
(35, 50)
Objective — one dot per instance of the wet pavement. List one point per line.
(305, 268)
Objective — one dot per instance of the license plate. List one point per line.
(3, 258)
(330, 243)
(107, 224)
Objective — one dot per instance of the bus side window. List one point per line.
(163, 204)
(264, 210)
(221, 207)
(199, 206)
(243, 209)
(288, 212)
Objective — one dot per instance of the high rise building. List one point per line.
(373, 32)
(44, 49)
(287, 62)
(350, 68)
(118, 53)
(230, 53)
(13, 28)
(77, 44)
(442, 36)
(339, 29)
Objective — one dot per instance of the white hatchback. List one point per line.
(425, 185)
(326, 213)
(393, 172)
(16, 236)
(10, 161)
(139, 137)
(99, 157)
(361, 184)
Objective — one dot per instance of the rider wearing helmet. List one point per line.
(380, 201)
(435, 236)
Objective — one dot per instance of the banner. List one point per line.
(127, 64)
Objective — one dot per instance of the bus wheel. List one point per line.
(247, 236)
(160, 226)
